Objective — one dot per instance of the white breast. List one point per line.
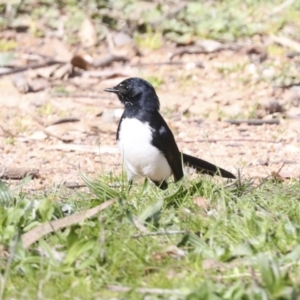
(140, 157)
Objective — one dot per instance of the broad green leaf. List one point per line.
(14, 215)
(6, 197)
(78, 248)
(191, 239)
(204, 292)
(31, 225)
(8, 232)
(91, 260)
(72, 237)
(22, 183)
(46, 209)
(151, 210)
(270, 273)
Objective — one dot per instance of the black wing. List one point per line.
(163, 139)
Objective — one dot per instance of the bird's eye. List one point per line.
(126, 87)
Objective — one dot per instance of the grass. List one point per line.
(222, 20)
(150, 40)
(242, 244)
(204, 239)
(46, 109)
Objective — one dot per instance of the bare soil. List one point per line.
(196, 102)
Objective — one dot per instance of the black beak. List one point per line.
(112, 90)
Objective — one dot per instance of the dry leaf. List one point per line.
(79, 62)
(63, 72)
(285, 42)
(36, 233)
(18, 173)
(121, 39)
(59, 71)
(45, 72)
(202, 203)
(139, 225)
(4, 253)
(38, 84)
(21, 84)
(175, 252)
(38, 136)
(88, 34)
(282, 175)
(210, 263)
(171, 251)
(209, 45)
(69, 127)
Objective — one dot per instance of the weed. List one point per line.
(10, 140)
(157, 240)
(156, 81)
(150, 40)
(61, 89)
(20, 125)
(7, 45)
(46, 109)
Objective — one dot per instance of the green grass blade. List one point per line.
(101, 190)
(6, 197)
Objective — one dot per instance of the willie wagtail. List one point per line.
(146, 143)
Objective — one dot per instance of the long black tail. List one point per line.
(205, 167)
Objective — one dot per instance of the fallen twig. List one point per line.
(170, 63)
(73, 185)
(205, 49)
(6, 131)
(138, 224)
(286, 42)
(57, 95)
(171, 232)
(276, 174)
(124, 289)
(35, 66)
(36, 233)
(229, 140)
(190, 50)
(18, 173)
(83, 148)
(253, 122)
(108, 60)
(64, 120)
(280, 7)
(41, 126)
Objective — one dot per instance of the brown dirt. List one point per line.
(195, 102)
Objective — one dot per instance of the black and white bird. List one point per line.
(146, 143)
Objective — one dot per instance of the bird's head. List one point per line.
(136, 92)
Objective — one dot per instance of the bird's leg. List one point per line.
(163, 185)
